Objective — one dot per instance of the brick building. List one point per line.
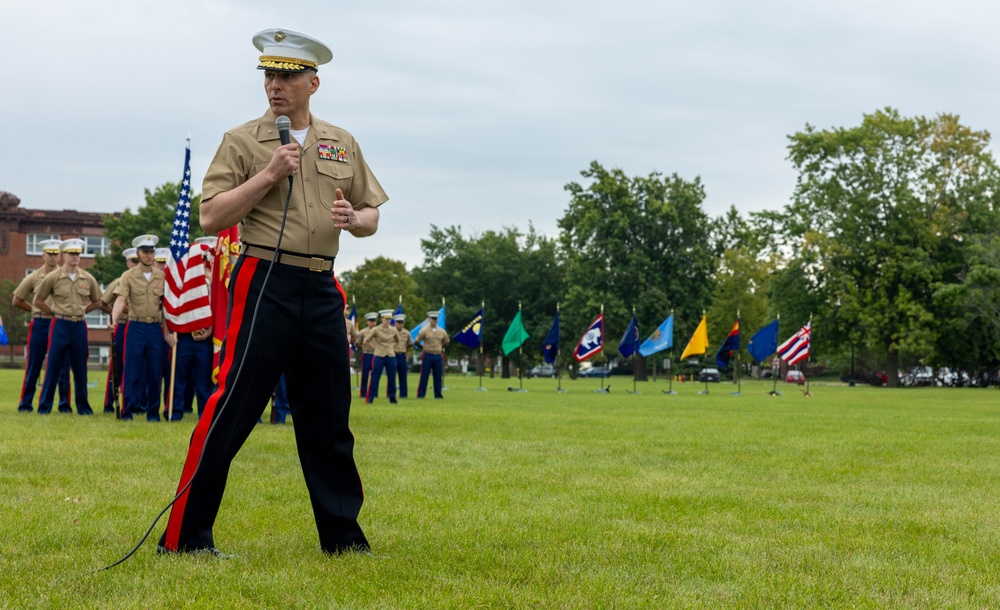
(21, 232)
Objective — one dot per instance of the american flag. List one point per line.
(796, 349)
(185, 302)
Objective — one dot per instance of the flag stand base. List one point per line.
(774, 393)
(482, 390)
(606, 390)
(562, 390)
(511, 388)
(669, 392)
(736, 394)
(703, 391)
(633, 392)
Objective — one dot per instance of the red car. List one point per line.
(795, 377)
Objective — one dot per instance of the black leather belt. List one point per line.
(312, 263)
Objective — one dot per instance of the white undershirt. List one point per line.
(299, 135)
(148, 275)
(72, 276)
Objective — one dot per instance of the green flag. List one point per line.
(516, 335)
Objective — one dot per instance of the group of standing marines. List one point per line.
(385, 347)
(60, 296)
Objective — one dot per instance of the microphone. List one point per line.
(283, 124)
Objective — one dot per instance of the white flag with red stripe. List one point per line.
(185, 300)
(796, 349)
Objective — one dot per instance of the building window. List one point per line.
(99, 354)
(95, 245)
(34, 241)
(97, 319)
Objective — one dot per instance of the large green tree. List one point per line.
(634, 241)
(741, 284)
(885, 205)
(155, 217)
(502, 269)
(383, 283)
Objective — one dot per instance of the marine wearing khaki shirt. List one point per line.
(330, 159)
(144, 298)
(383, 341)
(26, 291)
(404, 341)
(68, 297)
(434, 339)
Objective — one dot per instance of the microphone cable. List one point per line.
(239, 369)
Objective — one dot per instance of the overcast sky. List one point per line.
(477, 114)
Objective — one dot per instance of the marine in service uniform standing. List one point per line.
(434, 341)
(107, 306)
(367, 351)
(403, 346)
(383, 339)
(300, 312)
(38, 331)
(74, 293)
(141, 290)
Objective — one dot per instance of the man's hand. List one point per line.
(342, 213)
(284, 161)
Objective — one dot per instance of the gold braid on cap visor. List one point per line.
(271, 62)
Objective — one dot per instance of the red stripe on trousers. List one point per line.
(246, 274)
(27, 360)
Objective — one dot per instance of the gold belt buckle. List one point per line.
(318, 262)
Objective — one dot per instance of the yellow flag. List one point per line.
(698, 344)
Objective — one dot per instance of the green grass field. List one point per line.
(852, 498)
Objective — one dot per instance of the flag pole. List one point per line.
(705, 391)
(634, 350)
(810, 356)
(774, 373)
(670, 360)
(173, 378)
(482, 363)
(444, 358)
(739, 375)
(602, 349)
(555, 360)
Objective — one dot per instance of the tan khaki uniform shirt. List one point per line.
(69, 297)
(352, 331)
(109, 297)
(26, 291)
(362, 341)
(383, 340)
(330, 159)
(143, 297)
(404, 342)
(434, 339)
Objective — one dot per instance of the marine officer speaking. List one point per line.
(300, 312)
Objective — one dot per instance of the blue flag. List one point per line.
(592, 340)
(3, 336)
(550, 349)
(660, 340)
(472, 333)
(731, 344)
(764, 342)
(630, 340)
(399, 309)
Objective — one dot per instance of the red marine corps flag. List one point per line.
(185, 299)
(221, 270)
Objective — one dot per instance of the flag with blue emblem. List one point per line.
(764, 342)
(592, 340)
(550, 349)
(661, 339)
(630, 340)
(185, 299)
(416, 330)
(472, 333)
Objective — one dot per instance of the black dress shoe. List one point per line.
(208, 550)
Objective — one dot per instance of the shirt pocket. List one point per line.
(334, 175)
(83, 288)
(275, 198)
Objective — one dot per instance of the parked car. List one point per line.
(595, 371)
(795, 377)
(543, 370)
(708, 374)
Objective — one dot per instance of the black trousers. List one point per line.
(299, 330)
